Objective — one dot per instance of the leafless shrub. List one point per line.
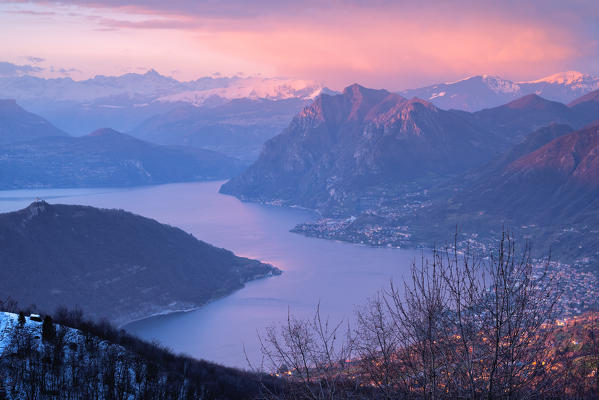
(461, 326)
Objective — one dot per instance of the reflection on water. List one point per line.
(338, 275)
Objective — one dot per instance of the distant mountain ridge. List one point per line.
(125, 101)
(106, 158)
(152, 86)
(486, 91)
(237, 128)
(112, 263)
(18, 125)
(519, 117)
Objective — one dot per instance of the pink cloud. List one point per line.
(385, 43)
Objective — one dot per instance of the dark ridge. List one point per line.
(112, 263)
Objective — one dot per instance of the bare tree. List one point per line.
(378, 347)
(464, 325)
(311, 356)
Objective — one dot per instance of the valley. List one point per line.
(220, 330)
(299, 200)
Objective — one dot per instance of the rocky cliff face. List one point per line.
(342, 147)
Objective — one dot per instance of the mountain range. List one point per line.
(111, 263)
(123, 102)
(236, 115)
(152, 86)
(237, 128)
(34, 154)
(17, 125)
(395, 162)
(345, 151)
(486, 91)
(340, 146)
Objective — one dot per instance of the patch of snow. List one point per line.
(253, 88)
(8, 322)
(461, 80)
(495, 83)
(572, 79)
(435, 95)
(150, 86)
(500, 85)
(562, 78)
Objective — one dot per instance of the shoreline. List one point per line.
(166, 311)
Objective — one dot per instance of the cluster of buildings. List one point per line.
(373, 235)
(578, 284)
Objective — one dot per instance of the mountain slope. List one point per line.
(517, 118)
(562, 86)
(470, 94)
(106, 158)
(17, 125)
(545, 189)
(586, 107)
(112, 263)
(237, 128)
(85, 360)
(125, 101)
(565, 174)
(485, 91)
(532, 142)
(341, 147)
(550, 194)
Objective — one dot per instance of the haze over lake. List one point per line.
(338, 275)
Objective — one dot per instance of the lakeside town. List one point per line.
(578, 282)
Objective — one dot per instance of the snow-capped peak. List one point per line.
(565, 78)
(495, 83)
(253, 88)
(500, 85)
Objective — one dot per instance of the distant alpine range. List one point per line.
(236, 115)
(484, 91)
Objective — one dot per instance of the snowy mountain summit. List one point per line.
(570, 78)
(152, 86)
(252, 88)
(485, 91)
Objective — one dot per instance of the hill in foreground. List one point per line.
(78, 359)
(112, 264)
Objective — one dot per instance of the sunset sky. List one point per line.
(379, 43)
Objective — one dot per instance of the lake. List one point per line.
(339, 276)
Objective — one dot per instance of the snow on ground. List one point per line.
(9, 322)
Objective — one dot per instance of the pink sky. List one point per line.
(379, 43)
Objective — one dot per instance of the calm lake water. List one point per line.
(339, 275)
